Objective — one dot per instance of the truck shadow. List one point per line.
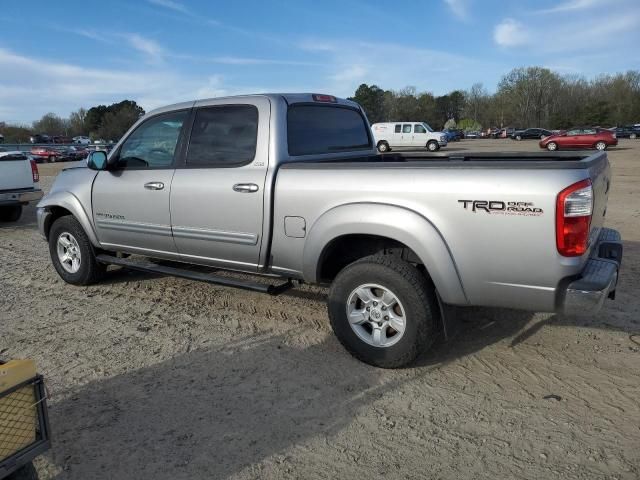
(211, 413)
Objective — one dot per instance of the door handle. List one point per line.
(154, 186)
(245, 187)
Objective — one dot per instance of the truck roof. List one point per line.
(290, 98)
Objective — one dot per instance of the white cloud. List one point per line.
(460, 8)
(510, 33)
(150, 48)
(580, 35)
(573, 5)
(170, 4)
(352, 73)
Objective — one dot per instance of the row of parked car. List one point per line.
(50, 154)
(42, 139)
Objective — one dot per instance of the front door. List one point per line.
(217, 195)
(419, 136)
(131, 200)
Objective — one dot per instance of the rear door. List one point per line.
(217, 194)
(407, 135)
(131, 201)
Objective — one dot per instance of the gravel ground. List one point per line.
(163, 378)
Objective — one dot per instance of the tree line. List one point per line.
(102, 121)
(525, 97)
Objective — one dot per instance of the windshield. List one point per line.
(426, 125)
(318, 129)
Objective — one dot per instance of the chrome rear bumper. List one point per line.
(598, 279)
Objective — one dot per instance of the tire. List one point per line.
(10, 214)
(601, 146)
(51, 159)
(68, 239)
(433, 146)
(26, 472)
(416, 304)
(633, 136)
(552, 146)
(518, 137)
(383, 147)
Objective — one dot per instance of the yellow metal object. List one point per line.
(18, 409)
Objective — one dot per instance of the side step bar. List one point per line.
(198, 276)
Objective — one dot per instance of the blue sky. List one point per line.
(59, 56)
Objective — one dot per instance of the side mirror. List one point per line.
(97, 160)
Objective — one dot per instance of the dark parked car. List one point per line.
(39, 138)
(629, 131)
(580, 137)
(530, 133)
(453, 134)
(61, 139)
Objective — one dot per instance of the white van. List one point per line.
(407, 135)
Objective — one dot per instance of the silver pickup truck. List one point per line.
(290, 187)
(19, 183)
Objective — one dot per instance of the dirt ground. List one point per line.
(163, 378)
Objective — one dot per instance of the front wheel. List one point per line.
(633, 136)
(518, 137)
(552, 146)
(433, 146)
(383, 147)
(601, 146)
(383, 311)
(72, 254)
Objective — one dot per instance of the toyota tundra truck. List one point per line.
(289, 187)
(19, 184)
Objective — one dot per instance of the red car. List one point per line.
(584, 138)
(47, 154)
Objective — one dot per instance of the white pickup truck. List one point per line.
(19, 180)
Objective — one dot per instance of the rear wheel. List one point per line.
(552, 146)
(72, 254)
(433, 146)
(52, 159)
(383, 147)
(633, 136)
(518, 137)
(10, 214)
(383, 311)
(601, 146)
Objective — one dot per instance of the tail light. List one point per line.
(574, 208)
(34, 171)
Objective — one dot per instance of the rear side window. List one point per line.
(406, 128)
(318, 129)
(225, 135)
(398, 128)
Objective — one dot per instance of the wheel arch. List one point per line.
(390, 226)
(60, 204)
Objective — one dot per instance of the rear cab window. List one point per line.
(321, 129)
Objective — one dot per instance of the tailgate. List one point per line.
(600, 174)
(15, 171)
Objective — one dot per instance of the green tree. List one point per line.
(371, 98)
(51, 124)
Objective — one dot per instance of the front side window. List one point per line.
(224, 135)
(153, 144)
(320, 129)
(589, 131)
(406, 128)
(417, 128)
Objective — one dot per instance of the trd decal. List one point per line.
(498, 207)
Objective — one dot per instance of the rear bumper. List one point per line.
(20, 197)
(598, 279)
